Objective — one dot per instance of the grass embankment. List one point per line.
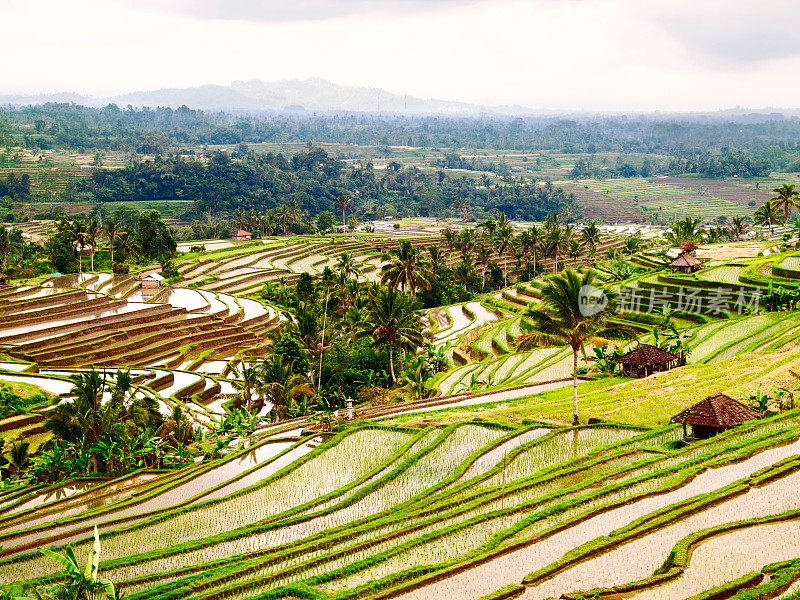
(650, 401)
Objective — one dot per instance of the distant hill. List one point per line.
(319, 95)
(313, 94)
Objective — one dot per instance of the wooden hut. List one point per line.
(685, 263)
(646, 360)
(713, 415)
(242, 235)
(151, 282)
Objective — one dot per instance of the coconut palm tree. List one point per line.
(281, 385)
(466, 241)
(503, 236)
(786, 198)
(766, 215)
(19, 458)
(83, 419)
(111, 230)
(7, 246)
(78, 237)
(392, 321)
(247, 379)
(436, 259)
(573, 313)
(92, 233)
(347, 265)
(451, 238)
(127, 244)
(686, 230)
(483, 255)
(406, 269)
(590, 235)
(555, 241)
(738, 225)
(531, 238)
(344, 202)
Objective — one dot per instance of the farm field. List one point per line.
(481, 490)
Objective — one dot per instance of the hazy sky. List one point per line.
(559, 54)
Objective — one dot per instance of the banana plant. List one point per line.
(83, 583)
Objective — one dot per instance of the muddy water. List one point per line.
(181, 380)
(118, 309)
(252, 309)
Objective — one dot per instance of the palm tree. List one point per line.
(127, 244)
(686, 230)
(406, 269)
(633, 244)
(347, 265)
(534, 238)
(19, 458)
(393, 322)
(466, 241)
(738, 226)
(111, 230)
(281, 385)
(484, 255)
(555, 240)
(574, 249)
(344, 202)
(247, 381)
(464, 271)
(83, 420)
(92, 233)
(78, 238)
(573, 314)
(436, 259)
(786, 197)
(451, 238)
(7, 246)
(590, 235)
(503, 236)
(766, 214)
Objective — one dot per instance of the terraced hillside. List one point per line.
(461, 511)
(477, 492)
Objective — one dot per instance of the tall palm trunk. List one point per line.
(321, 350)
(575, 420)
(391, 362)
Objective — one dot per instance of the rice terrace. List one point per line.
(301, 340)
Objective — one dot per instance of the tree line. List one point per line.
(315, 180)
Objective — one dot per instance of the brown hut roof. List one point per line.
(647, 355)
(685, 260)
(717, 411)
(242, 233)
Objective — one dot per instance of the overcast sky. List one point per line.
(548, 54)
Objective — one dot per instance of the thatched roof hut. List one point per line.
(645, 360)
(685, 263)
(715, 414)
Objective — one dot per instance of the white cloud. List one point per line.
(581, 54)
